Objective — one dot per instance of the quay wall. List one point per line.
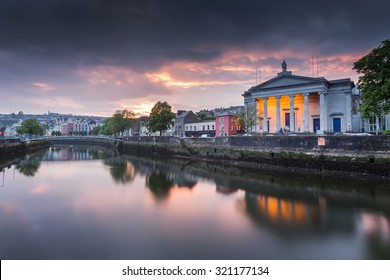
(358, 156)
(9, 151)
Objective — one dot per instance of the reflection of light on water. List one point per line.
(374, 224)
(225, 189)
(322, 202)
(287, 210)
(130, 170)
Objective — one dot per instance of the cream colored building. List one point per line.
(302, 104)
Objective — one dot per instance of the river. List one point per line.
(76, 203)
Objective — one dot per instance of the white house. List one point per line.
(198, 128)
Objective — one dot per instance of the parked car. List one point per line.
(204, 136)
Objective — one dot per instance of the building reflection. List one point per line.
(376, 230)
(70, 153)
(225, 189)
(283, 211)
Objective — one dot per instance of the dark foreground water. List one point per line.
(82, 203)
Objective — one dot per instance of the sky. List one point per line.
(93, 57)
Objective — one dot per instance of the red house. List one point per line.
(225, 124)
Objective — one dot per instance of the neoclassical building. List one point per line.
(301, 104)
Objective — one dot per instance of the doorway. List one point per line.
(316, 125)
(336, 124)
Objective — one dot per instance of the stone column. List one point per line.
(265, 120)
(348, 112)
(292, 119)
(326, 112)
(306, 124)
(322, 111)
(257, 124)
(277, 113)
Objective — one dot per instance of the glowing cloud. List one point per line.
(45, 87)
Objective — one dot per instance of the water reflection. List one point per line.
(121, 169)
(28, 167)
(282, 211)
(170, 209)
(225, 189)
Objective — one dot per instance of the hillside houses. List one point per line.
(53, 123)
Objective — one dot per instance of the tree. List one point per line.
(31, 127)
(120, 121)
(374, 83)
(160, 117)
(95, 130)
(247, 118)
(204, 116)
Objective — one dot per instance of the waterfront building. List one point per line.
(140, 128)
(183, 118)
(302, 104)
(197, 129)
(226, 124)
(376, 124)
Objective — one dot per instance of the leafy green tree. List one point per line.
(95, 130)
(31, 127)
(204, 117)
(374, 82)
(160, 117)
(120, 121)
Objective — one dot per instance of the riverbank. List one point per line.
(363, 157)
(12, 152)
(346, 156)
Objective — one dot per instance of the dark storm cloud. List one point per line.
(144, 34)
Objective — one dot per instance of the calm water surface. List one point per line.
(83, 203)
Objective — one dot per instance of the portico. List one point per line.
(301, 104)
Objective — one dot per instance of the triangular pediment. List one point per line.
(283, 81)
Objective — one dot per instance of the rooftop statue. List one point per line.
(284, 66)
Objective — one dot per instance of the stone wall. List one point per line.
(378, 146)
(11, 151)
(362, 156)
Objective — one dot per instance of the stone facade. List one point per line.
(183, 118)
(302, 104)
